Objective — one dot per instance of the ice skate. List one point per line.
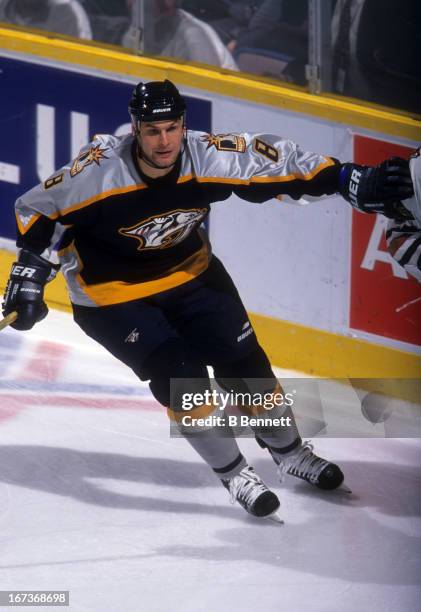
(308, 466)
(252, 494)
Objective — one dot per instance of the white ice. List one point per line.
(97, 499)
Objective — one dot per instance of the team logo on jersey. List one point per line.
(25, 219)
(246, 330)
(164, 231)
(133, 336)
(94, 155)
(226, 142)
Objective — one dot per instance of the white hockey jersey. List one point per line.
(404, 238)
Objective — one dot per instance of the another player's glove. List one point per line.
(25, 290)
(378, 189)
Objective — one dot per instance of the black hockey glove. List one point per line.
(25, 290)
(378, 189)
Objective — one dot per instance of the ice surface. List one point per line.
(97, 499)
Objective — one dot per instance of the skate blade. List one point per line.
(344, 488)
(275, 517)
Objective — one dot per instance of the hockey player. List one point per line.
(123, 220)
(403, 233)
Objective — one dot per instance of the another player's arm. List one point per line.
(404, 244)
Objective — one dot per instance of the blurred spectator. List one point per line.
(276, 41)
(376, 50)
(179, 34)
(109, 19)
(59, 16)
(115, 8)
(207, 10)
(228, 17)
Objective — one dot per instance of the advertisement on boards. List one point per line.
(385, 300)
(49, 113)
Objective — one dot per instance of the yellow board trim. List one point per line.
(321, 353)
(235, 85)
(289, 345)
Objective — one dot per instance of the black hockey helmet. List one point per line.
(156, 101)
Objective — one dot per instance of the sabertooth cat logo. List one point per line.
(165, 231)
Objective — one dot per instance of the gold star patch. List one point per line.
(93, 155)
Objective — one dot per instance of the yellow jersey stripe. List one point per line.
(117, 292)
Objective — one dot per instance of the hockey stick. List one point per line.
(10, 318)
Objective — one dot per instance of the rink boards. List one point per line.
(326, 296)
